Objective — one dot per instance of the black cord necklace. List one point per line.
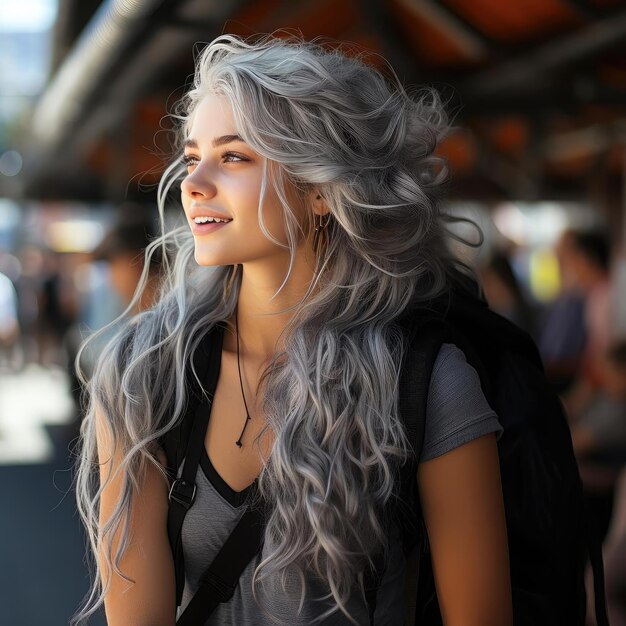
(238, 442)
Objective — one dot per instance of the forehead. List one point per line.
(212, 117)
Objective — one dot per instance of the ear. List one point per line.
(318, 204)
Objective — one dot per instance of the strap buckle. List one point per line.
(183, 492)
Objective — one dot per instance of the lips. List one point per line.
(207, 227)
(200, 211)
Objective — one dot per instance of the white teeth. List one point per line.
(204, 220)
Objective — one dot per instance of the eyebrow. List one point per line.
(218, 141)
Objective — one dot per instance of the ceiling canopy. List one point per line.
(538, 88)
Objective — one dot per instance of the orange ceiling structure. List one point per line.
(539, 82)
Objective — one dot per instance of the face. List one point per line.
(224, 174)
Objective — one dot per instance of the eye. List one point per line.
(188, 159)
(233, 157)
(227, 157)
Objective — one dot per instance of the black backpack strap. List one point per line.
(220, 579)
(188, 440)
(424, 341)
(425, 335)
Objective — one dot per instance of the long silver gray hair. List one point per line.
(328, 121)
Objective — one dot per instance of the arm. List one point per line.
(461, 497)
(150, 601)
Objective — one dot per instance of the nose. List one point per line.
(198, 184)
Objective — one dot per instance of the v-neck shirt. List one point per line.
(457, 412)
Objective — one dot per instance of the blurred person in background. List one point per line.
(561, 328)
(504, 292)
(9, 326)
(27, 282)
(599, 435)
(56, 310)
(588, 256)
(599, 429)
(122, 249)
(590, 259)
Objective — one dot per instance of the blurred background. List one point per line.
(537, 90)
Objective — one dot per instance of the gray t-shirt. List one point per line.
(457, 412)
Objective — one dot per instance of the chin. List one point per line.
(206, 259)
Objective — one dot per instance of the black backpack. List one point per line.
(549, 531)
(550, 539)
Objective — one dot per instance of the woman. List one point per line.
(324, 173)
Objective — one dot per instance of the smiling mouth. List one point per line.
(207, 227)
(210, 219)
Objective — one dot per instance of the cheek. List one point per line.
(185, 202)
(245, 198)
(277, 213)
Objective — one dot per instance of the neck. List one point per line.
(260, 320)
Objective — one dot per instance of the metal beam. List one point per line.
(473, 44)
(564, 98)
(518, 72)
(586, 8)
(96, 51)
(116, 43)
(72, 16)
(118, 32)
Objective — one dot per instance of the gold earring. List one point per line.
(318, 234)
